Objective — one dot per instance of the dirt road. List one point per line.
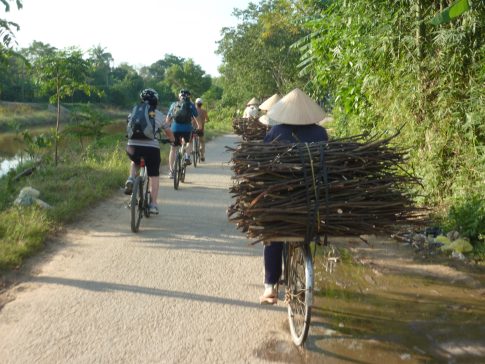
(183, 290)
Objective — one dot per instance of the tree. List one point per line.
(258, 59)
(126, 85)
(60, 75)
(188, 75)
(101, 62)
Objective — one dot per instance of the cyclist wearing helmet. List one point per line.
(181, 130)
(202, 118)
(149, 149)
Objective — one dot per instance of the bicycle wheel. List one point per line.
(176, 171)
(299, 291)
(136, 204)
(183, 169)
(146, 197)
(195, 151)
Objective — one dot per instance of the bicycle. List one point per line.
(140, 197)
(195, 147)
(179, 166)
(298, 279)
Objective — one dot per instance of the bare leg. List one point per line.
(154, 186)
(133, 169)
(202, 146)
(171, 157)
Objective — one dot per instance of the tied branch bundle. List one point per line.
(249, 128)
(342, 187)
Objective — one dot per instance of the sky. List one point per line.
(136, 32)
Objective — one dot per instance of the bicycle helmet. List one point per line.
(149, 95)
(184, 93)
(198, 101)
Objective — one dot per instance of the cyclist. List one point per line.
(202, 118)
(295, 118)
(149, 149)
(181, 129)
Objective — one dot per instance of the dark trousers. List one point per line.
(273, 260)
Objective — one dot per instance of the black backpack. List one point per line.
(182, 112)
(141, 122)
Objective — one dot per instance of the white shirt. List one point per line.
(251, 110)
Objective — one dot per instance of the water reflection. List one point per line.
(7, 164)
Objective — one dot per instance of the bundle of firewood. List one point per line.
(349, 186)
(249, 128)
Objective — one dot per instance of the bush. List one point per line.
(468, 217)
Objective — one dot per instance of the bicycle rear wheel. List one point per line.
(176, 171)
(183, 169)
(136, 204)
(299, 291)
(195, 151)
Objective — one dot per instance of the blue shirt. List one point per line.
(181, 128)
(286, 133)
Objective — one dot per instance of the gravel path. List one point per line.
(183, 290)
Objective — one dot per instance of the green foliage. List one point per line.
(7, 28)
(187, 75)
(257, 58)
(220, 120)
(453, 11)
(37, 146)
(386, 67)
(86, 122)
(467, 216)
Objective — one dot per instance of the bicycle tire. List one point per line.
(183, 169)
(176, 171)
(136, 203)
(195, 151)
(299, 291)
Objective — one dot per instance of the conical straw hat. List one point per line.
(264, 119)
(253, 101)
(265, 106)
(296, 108)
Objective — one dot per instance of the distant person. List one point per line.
(251, 109)
(294, 120)
(142, 142)
(180, 117)
(202, 118)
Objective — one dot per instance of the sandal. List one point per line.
(269, 297)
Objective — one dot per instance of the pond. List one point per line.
(11, 151)
(8, 163)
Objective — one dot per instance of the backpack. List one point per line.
(141, 122)
(182, 112)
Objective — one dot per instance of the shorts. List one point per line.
(187, 135)
(151, 156)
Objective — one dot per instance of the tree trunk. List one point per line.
(58, 119)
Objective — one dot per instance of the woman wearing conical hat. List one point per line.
(251, 109)
(265, 107)
(294, 119)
